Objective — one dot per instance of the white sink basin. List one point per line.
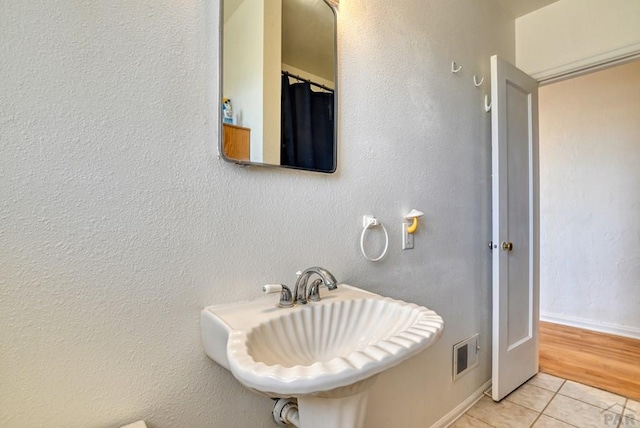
(348, 337)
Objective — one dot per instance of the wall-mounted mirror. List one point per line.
(279, 83)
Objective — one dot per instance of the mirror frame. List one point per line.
(333, 6)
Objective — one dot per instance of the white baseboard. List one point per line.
(602, 327)
(459, 410)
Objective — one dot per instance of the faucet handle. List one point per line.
(271, 288)
(314, 290)
(286, 298)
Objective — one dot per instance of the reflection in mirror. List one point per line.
(278, 83)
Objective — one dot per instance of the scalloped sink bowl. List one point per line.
(347, 338)
(325, 347)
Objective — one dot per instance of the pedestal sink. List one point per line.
(326, 354)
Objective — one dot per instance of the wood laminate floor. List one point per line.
(597, 359)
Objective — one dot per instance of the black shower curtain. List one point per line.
(307, 127)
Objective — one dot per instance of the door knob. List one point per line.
(507, 246)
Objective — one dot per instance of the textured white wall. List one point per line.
(590, 199)
(572, 34)
(119, 223)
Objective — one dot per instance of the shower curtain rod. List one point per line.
(295, 76)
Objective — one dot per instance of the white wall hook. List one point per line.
(475, 81)
(455, 67)
(487, 104)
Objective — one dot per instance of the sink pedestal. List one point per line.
(342, 412)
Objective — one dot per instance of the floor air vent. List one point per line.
(465, 355)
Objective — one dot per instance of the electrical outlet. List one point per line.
(407, 238)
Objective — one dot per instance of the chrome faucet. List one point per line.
(300, 292)
(303, 293)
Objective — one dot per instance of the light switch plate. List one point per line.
(407, 238)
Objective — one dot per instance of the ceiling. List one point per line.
(230, 6)
(517, 8)
(308, 30)
(308, 36)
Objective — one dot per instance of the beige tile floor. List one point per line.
(547, 401)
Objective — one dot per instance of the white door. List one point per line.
(514, 123)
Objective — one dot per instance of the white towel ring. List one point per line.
(372, 224)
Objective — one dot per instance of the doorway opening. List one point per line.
(590, 228)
